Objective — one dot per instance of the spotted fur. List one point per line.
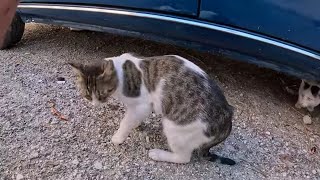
(309, 95)
(132, 79)
(196, 114)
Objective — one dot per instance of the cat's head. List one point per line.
(309, 95)
(96, 82)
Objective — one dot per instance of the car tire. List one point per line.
(14, 33)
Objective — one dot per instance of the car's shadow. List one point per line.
(246, 86)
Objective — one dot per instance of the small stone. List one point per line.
(241, 95)
(97, 165)
(61, 80)
(54, 121)
(147, 139)
(75, 162)
(268, 133)
(284, 174)
(34, 155)
(42, 148)
(19, 177)
(307, 119)
(314, 171)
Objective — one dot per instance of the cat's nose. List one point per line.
(95, 103)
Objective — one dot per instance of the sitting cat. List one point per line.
(196, 115)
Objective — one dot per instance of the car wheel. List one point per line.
(14, 33)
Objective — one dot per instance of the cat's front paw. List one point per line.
(155, 154)
(117, 140)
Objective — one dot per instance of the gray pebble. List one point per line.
(307, 120)
(19, 177)
(75, 162)
(97, 165)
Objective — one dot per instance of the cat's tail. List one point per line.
(220, 159)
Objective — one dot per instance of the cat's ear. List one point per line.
(108, 68)
(76, 68)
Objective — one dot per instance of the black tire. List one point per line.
(14, 33)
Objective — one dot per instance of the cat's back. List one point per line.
(166, 67)
(187, 91)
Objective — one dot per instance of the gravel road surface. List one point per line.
(269, 139)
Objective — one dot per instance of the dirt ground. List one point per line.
(269, 139)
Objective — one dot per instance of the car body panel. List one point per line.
(181, 7)
(188, 32)
(294, 21)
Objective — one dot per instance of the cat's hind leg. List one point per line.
(182, 140)
(132, 119)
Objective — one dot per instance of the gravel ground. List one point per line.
(269, 139)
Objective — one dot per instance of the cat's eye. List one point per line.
(88, 97)
(110, 90)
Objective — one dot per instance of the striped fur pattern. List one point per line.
(96, 82)
(196, 114)
(132, 79)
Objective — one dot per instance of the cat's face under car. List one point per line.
(309, 95)
(96, 83)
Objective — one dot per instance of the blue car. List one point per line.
(279, 34)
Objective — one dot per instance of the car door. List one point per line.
(293, 21)
(180, 7)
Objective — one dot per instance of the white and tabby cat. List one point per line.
(196, 115)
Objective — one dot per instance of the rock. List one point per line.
(307, 119)
(314, 171)
(97, 165)
(34, 155)
(61, 80)
(75, 162)
(268, 133)
(19, 177)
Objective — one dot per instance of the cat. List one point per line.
(195, 113)
(309, 95)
